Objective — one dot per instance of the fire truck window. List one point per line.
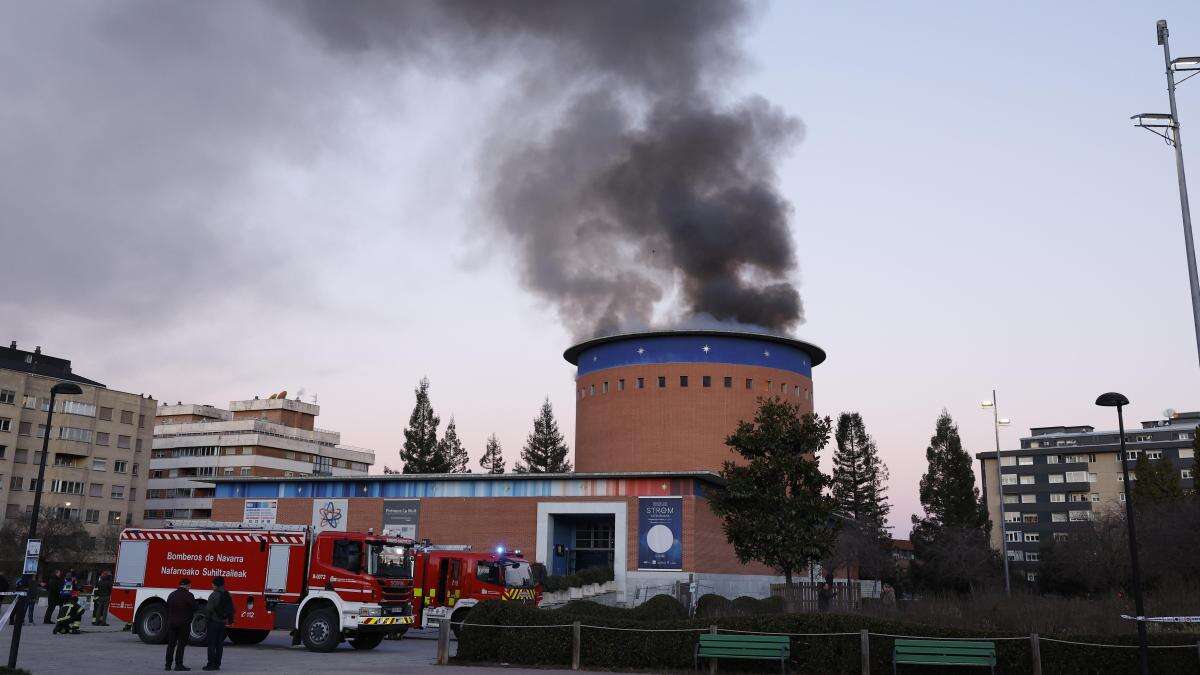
(487, 573)
(519, 575)
(347, 555)
(455, 570)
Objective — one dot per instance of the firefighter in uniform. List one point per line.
(70, 615)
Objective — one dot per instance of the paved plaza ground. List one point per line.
(102, 650)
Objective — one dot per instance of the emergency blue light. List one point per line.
(500, 550)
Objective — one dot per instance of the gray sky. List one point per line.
(208, 201)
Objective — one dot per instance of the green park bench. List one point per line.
(716, 646)
(943, 653)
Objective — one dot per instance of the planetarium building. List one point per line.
(653, 410)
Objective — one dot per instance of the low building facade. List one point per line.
(260, 437)
(1064, 476)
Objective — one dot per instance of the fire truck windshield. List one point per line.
(517, 574)
(390, 561)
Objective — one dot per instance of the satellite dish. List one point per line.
(1169, 413)
(282, 394)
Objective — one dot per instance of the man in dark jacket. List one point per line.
(219, 612)
(102, 591)
(69, 617)
(54, 586)
(181, 607)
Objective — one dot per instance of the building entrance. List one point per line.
(582, 542)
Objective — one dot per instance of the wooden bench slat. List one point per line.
(777, 639)
(972, 651)
(933, 659)
(944, 643)
(767, 650)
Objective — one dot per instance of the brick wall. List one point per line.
(673, 428)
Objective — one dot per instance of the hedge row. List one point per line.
(591, 575)
(608, 649)
(711, 606)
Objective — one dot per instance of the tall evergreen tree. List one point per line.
(1157, 481)
(545, 450)
(774, 507)
(859, 477)
(452, 449)
(951, 541)
(492, 460)
(421, 452)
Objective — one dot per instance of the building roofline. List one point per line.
(814, 352)
(409, 477)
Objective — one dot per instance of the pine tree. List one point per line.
(492, 460)
(451, 448)
(773, 505)
(1157, 481)
(859, 477)
(544, 451)
(421, 452)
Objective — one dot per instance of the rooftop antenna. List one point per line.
(314, 398)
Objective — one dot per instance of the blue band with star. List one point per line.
(734, 350)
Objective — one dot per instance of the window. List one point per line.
(97, 490)
(1028, 480)
(1016, 556)
(93, 516)
(662, 381)
(1008, 461)
(114, 517)
(6, 424)
(1031, 518)
(620, 385)
(1077, 477)
(749, 382)
(1122, 497)
(592, 389)
(1091, 477)
(1012, 499)
(1052, 459)
(1056, 478)
(1013, 536)
(1032, 556)
(15, 483)
(1183, 435)
(347, 555)
(247, 450)
(683, 380)
(706, 381)
(119, 466)
(126, 417)
(99, 464)
(21, 456)
(1058, 517)
(1012, 517)
(229, 471)
(118, 492)
(3, 451)
(141, 421)
(1061, 536)
(24, 428)
(1142, 438)
(101, 438)
(8, 396)
(245, 471)
(1092, 457)
(1187, 453)
(33, 487)
(728, 382)
(123, 442)
(1028, 499)
(1032, 537)
(1154, 454)
(135, 469)
(1185, 474)
(1078, 497)
(79, 408)
(1095, 497)
(1078, 516)
(106, 414)
(641, 383)
(75, 434)
(1025, 461)
(1131, 455)
(1008, 479)
(783, 388)
(70, 487)
(137, 444)
(603, 390)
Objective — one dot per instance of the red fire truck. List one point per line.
(325, 587)
(448, 583)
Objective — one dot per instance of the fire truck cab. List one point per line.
(324, 588)
(448, 583)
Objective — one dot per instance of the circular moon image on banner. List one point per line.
(660, 539)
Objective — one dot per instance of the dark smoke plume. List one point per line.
(644, 185)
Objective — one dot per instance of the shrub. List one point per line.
(711, 606)
(562, 582)
(823, 654)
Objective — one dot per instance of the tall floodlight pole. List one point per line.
(996, 422)
(1170, 124)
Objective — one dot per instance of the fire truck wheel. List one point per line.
(198, 630)
(368, 641)
(247, 636)
(320, 630)
(151, 623)
(457, 618)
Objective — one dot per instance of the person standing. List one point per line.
(181, 606)
(102, 592)
(54, 587)
(219, 611)
(825, 596)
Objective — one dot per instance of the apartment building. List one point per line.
(1063, 476)
(99, 444)
(260, 437)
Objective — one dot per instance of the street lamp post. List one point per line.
(1169, 123)
(1114, 400)
(996, 423)
(66, 389)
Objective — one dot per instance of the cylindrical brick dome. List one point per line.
(666, 401)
